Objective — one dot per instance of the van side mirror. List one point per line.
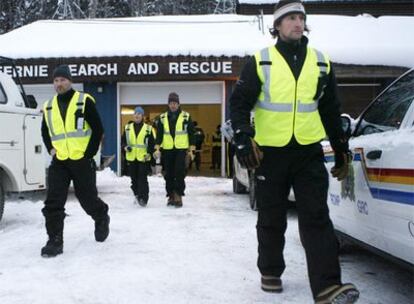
(31, 100)
(346, 125)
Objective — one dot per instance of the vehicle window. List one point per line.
(388, 111)
(3, 97)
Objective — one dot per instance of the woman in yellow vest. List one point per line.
(175, 135)
(138, 144)
(291, 88)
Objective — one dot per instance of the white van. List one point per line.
(374, 205)
(22, 159)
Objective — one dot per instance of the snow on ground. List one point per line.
(204, 252)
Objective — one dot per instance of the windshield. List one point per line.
(389, 109)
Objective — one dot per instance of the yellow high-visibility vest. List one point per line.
(138, 143)
(180, 140)
(216, 140)
(287, 107)
(70, 138)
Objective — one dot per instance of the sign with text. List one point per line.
(129, 68)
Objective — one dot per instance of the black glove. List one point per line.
(247, 152)
(341, 168)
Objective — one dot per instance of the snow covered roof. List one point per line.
(349, 40)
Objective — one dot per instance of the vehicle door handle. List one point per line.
(375, 154)
(38, 149)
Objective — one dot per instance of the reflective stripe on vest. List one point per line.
(70, 138)
(137, 143)
(180, 140)
(286, 106)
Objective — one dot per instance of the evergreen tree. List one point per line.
(15, 13)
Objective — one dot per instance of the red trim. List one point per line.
(391, 172)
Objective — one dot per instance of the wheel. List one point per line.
(252, 191)
(237, 186)
(1, 200)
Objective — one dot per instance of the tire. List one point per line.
(252, 191)
(237, 186)
(2, 198)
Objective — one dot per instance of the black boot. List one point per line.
(102, 229)
(53, 247)
(271, 283)
(142, 202)
(171, 200)
(178, 201)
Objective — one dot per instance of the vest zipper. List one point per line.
(295, 58)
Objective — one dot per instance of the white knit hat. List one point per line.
(286, 7)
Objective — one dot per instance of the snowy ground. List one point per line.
(204, 252)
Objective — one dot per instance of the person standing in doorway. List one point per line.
(175, 134)
(216, 149)
(199, 140)
(138, 144)
(293, 90)
(71, 131)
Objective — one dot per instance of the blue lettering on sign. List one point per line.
(362, 207)
(335, 199)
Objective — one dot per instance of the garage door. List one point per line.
(195, 92)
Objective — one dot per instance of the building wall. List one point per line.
(105, 95)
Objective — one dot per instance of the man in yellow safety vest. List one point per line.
(72, 132)
(175, 136)
(292, 89)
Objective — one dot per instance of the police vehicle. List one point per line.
(374, 205)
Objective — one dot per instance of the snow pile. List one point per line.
(204, 252)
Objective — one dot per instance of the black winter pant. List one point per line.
(216, 157)
(138, 171)
(83, 174)
(197, 160)
(174, 165)
(303, 169)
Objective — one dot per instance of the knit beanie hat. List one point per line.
(62, 71)
(139, 110)
(286, 7)
(173, 97)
